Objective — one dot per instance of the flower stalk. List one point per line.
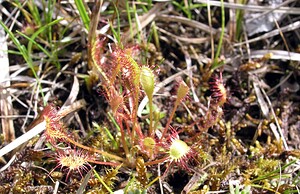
(182, 92)
(147, 82)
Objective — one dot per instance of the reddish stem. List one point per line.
(157, 161)
(95, 150)
(170, 119)
(104, 163)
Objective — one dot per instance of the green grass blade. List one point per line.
(83, 13)
(239, 23)
(111, 137)
(26, 53)
(34, 12)
(129, 18)
(40, 30)
(275, 173)
(216, 64)
(117, 33)
(15, 41)
(35, 43)
(184, 8)
(114, 121)
(49, 15)
(102, 182)
(14, 52)
(144, 7)
(136, 23)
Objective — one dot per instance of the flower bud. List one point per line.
(182, 91)
(147, 81)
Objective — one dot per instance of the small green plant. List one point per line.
(123, 77)
(164, 137)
